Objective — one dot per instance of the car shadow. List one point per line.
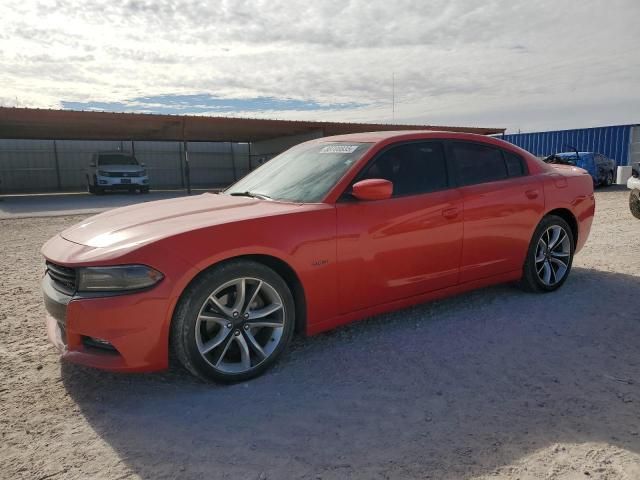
(448, 389)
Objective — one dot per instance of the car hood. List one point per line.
(140, 224)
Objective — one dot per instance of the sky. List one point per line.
(523, 65)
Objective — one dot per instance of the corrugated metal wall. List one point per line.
(61, 165)
(27, 163)
(215, 163)
(611, 141)
(634, 148)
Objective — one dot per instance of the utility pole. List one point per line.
(393, 97)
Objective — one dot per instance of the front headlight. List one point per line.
(102, 173)
(117, 279)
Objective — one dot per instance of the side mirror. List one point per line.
(143, 164)
(372, 189)
(92, 164)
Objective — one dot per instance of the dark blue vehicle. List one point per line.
(600, 168)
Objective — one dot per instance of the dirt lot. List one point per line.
(492, 384)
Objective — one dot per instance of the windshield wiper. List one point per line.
(261, 196)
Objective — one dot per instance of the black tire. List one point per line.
(144, 189)
(531, 280)
(185, 336)
(91, 187)
(634, 203)
(609, 180)
(96, 189)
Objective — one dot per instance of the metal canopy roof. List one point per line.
(28, 123)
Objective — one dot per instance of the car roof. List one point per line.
(398, 134)
(562, 154)
(115, 152)
(390, 137)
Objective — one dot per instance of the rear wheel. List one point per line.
(233, 322)
(144, 189)
(634, 203)
(549, 257)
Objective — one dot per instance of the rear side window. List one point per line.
(515, 164)
(475, 163)
(413, 168)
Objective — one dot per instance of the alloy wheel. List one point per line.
(240, 325)
(553, 254)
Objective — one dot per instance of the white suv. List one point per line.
(116, 170)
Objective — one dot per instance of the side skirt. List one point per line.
(407, 302)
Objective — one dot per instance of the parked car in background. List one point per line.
(600, 167)
(116, 171)
(634, 184)
(328, 232)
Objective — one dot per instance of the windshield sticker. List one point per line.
(339, 149)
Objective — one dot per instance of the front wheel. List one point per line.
(549, 257)
(233, 322)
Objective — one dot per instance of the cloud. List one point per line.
(208, 104)
(331, 60)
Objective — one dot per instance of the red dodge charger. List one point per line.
(330, 231)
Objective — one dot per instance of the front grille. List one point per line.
(122, 174)
(64, 278)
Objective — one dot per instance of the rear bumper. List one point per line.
(133, 324)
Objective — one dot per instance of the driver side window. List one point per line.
(413, 168)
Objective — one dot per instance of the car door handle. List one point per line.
(531, 194)
(450, 213)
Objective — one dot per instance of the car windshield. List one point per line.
(116, 159)
(304, 173)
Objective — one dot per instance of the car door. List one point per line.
(502, 205)
(405, 245)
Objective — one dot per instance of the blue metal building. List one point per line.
(614, 141)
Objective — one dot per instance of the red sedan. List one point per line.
(330, 231)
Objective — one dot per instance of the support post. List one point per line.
(187, 170)
(249, 146)
(55, 157)
(233, 162)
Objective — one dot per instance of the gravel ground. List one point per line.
(492, 384)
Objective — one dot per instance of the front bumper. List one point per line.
(134, 324)
(121, 182)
